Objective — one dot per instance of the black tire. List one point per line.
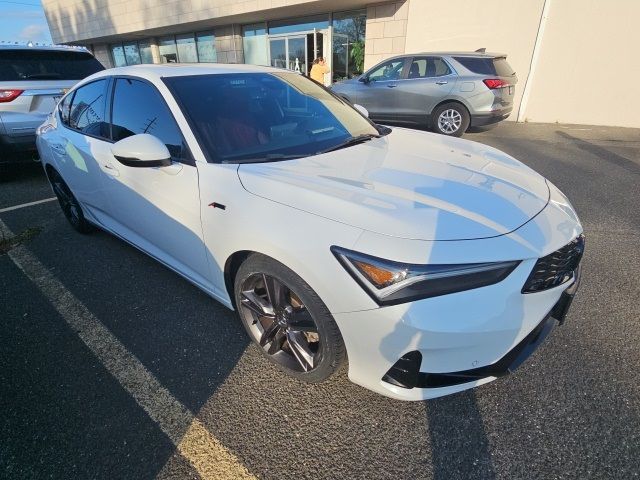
(455, 119)
(68, 203)
(328, 351)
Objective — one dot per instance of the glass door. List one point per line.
(289, 52)
(297, 54)
(278, 52)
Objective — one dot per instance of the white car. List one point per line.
(434, 264)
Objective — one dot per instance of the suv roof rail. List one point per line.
(40, 44)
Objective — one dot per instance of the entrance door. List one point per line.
(289, 52)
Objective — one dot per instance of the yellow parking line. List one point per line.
(207, 455)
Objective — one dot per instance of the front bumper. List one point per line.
(406, 372)
(454, 342)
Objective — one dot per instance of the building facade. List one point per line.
(564, 51)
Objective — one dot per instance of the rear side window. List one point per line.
(18, 65)
(139, 108)
(428, 67)
(87, 112)
(487, 66)
(65, 107)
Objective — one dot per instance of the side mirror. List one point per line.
(364, 79)
(142, 150)
(361, 109)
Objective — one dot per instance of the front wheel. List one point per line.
(287, 320)
(451, 119)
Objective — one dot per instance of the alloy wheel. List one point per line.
(67, 201)
(280, 323)
(449, 121)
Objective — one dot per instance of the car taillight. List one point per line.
(494, 83)
(9, 95)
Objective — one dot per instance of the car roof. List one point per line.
(35, 46)
(454, 54)
(157, 71)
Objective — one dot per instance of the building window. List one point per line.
(186, 46)
(119, 59)
(168, 50)
(348, 44)
(295, 25)
(254, 44)
(206, 46)
(131, 53)
(145, 51)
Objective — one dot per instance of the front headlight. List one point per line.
(390, 283)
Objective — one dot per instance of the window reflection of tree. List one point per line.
(86, 110)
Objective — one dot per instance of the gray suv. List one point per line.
(32, 80)
(446, 91)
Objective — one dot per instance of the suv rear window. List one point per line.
(487, 66)
(46, 65)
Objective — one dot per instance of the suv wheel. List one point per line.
(451, 119)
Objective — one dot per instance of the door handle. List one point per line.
(441, 82)
(392, 85)
(56, 147)
(110, 169)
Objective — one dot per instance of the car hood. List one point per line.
(408, 184)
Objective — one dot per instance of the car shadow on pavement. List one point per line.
(603, 153)
(459, 443)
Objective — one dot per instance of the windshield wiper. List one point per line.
(350, 142)
(270, 157)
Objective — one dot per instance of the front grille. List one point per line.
(556, 268)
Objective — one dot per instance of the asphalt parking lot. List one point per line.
(112, 366)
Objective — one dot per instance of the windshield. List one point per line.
(46, 65)
(249, 117)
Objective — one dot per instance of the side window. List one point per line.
(391, 70)
(65, 107)
(139, 108)
(441, 67)
(428, 67)
(87, 110)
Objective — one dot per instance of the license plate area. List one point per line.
(44, 103)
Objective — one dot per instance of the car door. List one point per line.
(156, 208)
(77, 143)
(429, 81)
(378, 92)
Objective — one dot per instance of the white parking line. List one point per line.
(204, 451)
(23, 205)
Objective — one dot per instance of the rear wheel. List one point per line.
(450, 119)
(287, 320)
(68, 203)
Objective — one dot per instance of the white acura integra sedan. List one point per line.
(435, 264)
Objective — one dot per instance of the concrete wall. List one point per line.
(386, 31)
(505, 26)
(588, 64)
(229, 44)
(88, 20)
(101, 52)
